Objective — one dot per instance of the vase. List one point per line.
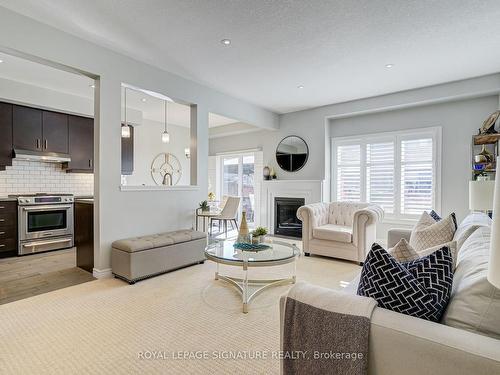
(267, 173)
(243, 232)
(484, 156)
(258, 239)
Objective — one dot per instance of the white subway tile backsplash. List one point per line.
(39, 177)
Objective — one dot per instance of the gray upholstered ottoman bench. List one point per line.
(138, 258)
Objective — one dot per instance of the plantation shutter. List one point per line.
(380, 175)
(349, 172)
(417, 178)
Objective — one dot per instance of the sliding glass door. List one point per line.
(238, 179)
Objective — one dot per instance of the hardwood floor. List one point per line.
(27, 276)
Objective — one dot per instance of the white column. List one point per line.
(107, 168)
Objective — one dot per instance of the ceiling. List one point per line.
(31, 73)
(153, 108)
(336, 49)
(20, 70)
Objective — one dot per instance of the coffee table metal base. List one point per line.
(242, 286)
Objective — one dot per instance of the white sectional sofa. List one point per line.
(466, 341)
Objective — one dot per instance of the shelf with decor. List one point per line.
(484, 152)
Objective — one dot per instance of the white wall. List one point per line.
(313, 124)
(121, 214)
(22, 93)
(459, 120)
(148, 144)
(265, 140)
(460, 107)
(42, 97)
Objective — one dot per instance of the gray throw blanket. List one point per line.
(325, 331)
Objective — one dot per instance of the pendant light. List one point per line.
(125, 128)
(165, 137)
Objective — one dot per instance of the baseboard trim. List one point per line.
(102, 274)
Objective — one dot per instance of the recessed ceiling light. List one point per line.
(389, 66)
(92, 86)
(1, 61)
(300, 87)
(143, 100)
(226, 42)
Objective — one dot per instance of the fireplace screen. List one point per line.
(286, 222)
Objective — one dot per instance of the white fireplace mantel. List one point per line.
(310, 190)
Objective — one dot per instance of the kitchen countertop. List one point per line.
(8, 199)
(81, 198)
(84, 200)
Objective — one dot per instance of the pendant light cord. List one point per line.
(125, 105)
(166, 116)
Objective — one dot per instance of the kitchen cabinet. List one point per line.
(84, 233)
(8, 228)
(6, 132)
(128, 153)
(27, 128)
(34, 129)
(55, 132)
(81, 144)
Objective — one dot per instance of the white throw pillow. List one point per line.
(428, 233)
(469, 225)
(404, 252)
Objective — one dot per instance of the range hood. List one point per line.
(49, 157)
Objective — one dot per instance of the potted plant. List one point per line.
(204, 206)
(259, 234)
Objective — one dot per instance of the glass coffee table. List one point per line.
(279, 253)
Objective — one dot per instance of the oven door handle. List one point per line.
(49, 242)
(47, 208)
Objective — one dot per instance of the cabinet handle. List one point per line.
(46, 144)
(2, 207)
(90, 163)
(2, 220)
(37, 143)
(2, 233)
(2, 245)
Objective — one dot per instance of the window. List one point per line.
(399, 171)
(238, 180)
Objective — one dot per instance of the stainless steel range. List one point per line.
(45, 222)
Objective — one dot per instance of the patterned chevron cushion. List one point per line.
(435, 215)
(403, 252)
(419, 288)
(428, 233)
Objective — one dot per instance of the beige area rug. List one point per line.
(183, 322)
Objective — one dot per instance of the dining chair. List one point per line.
(228, 214)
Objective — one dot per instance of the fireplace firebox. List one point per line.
(286, 222)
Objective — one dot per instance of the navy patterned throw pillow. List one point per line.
(436, 217)
(419, 288)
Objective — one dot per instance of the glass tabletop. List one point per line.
(223, 250)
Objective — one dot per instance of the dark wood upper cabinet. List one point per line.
(6, 135)
(55, 132)
(128, 153)
(38, 130)
(81, 144)
(27, 128)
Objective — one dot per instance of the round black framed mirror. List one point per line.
(292, 153)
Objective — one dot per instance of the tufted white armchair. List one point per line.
(343, 230)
